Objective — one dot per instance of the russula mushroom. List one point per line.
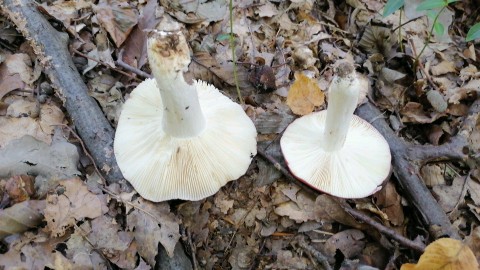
(177, 139)
(334, 150)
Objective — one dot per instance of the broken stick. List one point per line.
(51, 47)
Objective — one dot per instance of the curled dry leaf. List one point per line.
(153, 224)
(21, 217)
(445, 253)
(75, 203)
(350, 242)
(20, 187)
(117, 17)
(41, 126)
(304, 95)
(389, 202)
(15, 73)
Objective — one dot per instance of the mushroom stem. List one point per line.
(169, 57)
(342, 101)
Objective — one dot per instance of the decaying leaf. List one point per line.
(413, 112)
(117, 17)
(39, 124)
(21, 217)
(153, 223)
(390, 202)
(73, 204)
(135, 47)
(450, 196)
(30, 156)
(304, 95)
(210, 11)
(20, 188)
(15, 73)
(81, 253)
(445, 253)
(350, 242)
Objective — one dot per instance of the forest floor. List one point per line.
(60, 208)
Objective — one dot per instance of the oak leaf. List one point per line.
(304, 95)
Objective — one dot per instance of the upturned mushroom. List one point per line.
(335, 151)
(179, 139)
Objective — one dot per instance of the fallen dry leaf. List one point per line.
(443, 67)
(21, 217)
(153, 223)
(445, 253)
(74, 204)
(49, 163)
(117, 17)
(20, 188)
(135, 47)
(39, 126)
(390, 202)
(81, 253)
(15, 73)
(350, 242)
(304, 95)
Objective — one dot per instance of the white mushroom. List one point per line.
(178, 139)
(335, 151)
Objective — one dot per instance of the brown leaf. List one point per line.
(81, 253)
(117, 17)
(135, 47)
(15, 73)
(304, 95)
(445, 253)
(389, 202)
(413, 112)
(21, 217)
(350, 242)
(74, 204)
(153, 224)
(443, 68)
(20, 187)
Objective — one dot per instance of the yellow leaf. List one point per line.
(304, 95)
(445, 254)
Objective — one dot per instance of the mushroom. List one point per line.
(177, 139)
(334, 150)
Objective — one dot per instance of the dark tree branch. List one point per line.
(406, 169)
(51, 47)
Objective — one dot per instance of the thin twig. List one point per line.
(384, 230)
(322, 259)
(85, 151)
(192, 249)
(129, 67)
(104, 64)
(420, 64)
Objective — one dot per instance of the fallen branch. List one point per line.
(407, 159)
(51, 48)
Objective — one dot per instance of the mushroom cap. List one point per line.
(161, 167)
(355, 171)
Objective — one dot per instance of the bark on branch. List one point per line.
(407, 159)
(51, 47)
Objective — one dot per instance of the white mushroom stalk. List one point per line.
(342, 101)
(177, 139)
(335, 151)
(169, 58)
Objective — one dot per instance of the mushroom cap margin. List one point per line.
(161, 167)
(355, 171)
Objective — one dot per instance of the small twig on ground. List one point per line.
(383, 229)
(322, 259)
(192, 249)
(105, 65)
(104, 182)
(420, 64)
(130, 68)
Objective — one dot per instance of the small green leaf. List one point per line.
(432, 4)
(392, 6)
(474, 32)
(223, 37)
(438, 27)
